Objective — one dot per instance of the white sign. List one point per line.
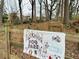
(44, 45)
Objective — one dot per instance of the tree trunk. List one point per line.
(51, 14)
(77, 8)
(58, 10)
(66, 11)
(21, 19)
(40, 2)
(51, 6)
(62, 10)
(40, 11)
(1, 9)
(33, 4)
(46, 10)
(34, 10)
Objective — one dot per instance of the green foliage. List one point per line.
(68, 57)
(4, 18)
(30, 20)
(39, 21)
(16, 22)
(17, 45)
(67, 26)
(75, 17)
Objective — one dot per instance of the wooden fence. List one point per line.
(16, 34)
(14, 41)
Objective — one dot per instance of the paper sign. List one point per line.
(44, 45)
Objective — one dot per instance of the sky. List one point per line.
(12, 6)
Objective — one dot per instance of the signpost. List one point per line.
(44, 45)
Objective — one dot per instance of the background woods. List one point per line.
(49, 15)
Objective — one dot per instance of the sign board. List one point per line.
(44, 45)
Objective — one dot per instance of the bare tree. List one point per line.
(46, 9)
(72, 8)
(20, 2)
(12, 9)
(58, 9)
(50, 8)
(33, 3)
(40, 2)
(77, 9)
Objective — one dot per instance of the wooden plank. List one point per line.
(69, 37)
(16, 30)
(72, 37)
(6, 28)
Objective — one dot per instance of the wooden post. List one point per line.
(7, 40)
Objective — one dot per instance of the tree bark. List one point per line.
(66, 11)
(33, 4)
(58, 12)
(40, 11)
(20, 2)
(51, 11)
(77, 8)
(1, 9)
(62, 10)
(34, 10)
(46, 10)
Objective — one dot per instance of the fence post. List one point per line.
(7, 40)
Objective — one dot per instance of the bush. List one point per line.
(16, 21)
(4, 18)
